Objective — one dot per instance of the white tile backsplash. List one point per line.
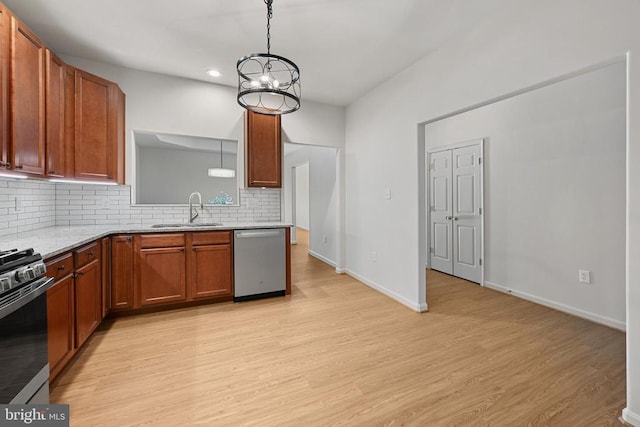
(45, 204)
(36, 205)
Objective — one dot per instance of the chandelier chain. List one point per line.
(269, 16)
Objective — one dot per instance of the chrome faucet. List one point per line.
(192, 209)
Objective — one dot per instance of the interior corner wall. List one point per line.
(526, 43)
(554, 196)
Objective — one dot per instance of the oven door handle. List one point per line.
(23, 296)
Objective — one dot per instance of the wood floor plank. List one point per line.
(336, 352)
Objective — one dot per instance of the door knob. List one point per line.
(455, 218)
(448, 218)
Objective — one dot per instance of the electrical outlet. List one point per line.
(18, 205)
(374, 256)
(325, 239)
(387, 194)
(584, 276)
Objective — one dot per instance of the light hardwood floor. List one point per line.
(337, 352)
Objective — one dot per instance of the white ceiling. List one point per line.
(343, 47)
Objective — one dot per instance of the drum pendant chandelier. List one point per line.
(267, 83)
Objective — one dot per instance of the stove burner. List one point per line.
(18, 268)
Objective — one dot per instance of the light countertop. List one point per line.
(52, 241)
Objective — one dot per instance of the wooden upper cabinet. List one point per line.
(55, 116)
(27, 100)
(263, 150)
(5, 58)
(99, 129)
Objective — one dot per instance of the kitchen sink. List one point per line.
(199, 224)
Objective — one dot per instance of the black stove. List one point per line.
(24, 368)
(18, 268)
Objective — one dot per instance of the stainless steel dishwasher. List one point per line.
(259, 263)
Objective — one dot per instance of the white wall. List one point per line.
(526, 43)
(323, 198)
(554, 168)
(302, 196)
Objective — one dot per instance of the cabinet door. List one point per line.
(55, 114)
(263, 150)
(87, 298)
(161, 275)
(105, 280)
(5, 24)
(96, 125)
(121, 272)
(60, 335)
(27, 99)
(210, 268)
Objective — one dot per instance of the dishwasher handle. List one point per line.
(261, 233)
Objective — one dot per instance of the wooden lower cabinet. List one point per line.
(121, 289)
(211, 271)
(60, 319)
(161, 275)
(88, 298)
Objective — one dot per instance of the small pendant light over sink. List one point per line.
(221, 172)
(267, 83)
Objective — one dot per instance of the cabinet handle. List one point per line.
(61, 267)
(19, 166)
(52, 172)
(193, 249)
(5, 165)
(91, 253)
(128, 238)
(79, 273)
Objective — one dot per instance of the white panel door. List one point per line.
(441, 244)
(466, 219)
(455, 200)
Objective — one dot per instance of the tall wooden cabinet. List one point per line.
(56, 121)
(5, 60)
(263, 150)
(27, 99)
(55, 91)
(99, 129)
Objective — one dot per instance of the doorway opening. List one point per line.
(554, 166)
(311, 198)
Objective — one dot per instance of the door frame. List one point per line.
(474, 142)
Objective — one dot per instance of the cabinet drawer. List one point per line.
(161, 240)
(210, 238)
(86, 254)
(60, 267)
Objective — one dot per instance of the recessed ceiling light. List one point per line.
(214, 73)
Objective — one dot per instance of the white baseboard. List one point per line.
(341, 270)
(391, 294)
(607, 321)
(630, 418)
(322, 258)
(294, 242)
